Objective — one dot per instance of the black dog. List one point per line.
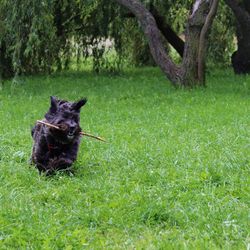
(55, 149)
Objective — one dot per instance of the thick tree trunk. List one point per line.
(194, 27)
(203, 41)
(187, 74)
(199, 23)
(241, 57)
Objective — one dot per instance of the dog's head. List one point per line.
(65, 115)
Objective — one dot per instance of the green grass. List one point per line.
(174, 175)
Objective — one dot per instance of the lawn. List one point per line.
(173, 175)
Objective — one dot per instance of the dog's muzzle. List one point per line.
(71, 132)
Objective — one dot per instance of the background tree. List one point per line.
(171, 17)
(241, 57)
(191, 72)
(44, 36)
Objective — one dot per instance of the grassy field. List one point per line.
(173, 175)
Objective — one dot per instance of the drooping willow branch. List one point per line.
(81, 133)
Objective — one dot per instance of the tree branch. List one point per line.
(151, 31)
(202, 41)
(169, 34)
(177, 43)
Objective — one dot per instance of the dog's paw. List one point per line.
(60, 163)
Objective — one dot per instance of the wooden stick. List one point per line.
(48, 124)
(81, 133)
(93, 136)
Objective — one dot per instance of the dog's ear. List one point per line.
(53, 104)
(77, 105)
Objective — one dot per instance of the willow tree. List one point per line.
(191, 72)
(43, 36)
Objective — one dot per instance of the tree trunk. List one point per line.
(241, 57)
(177, 43)
(6, 69)
(187, 74)
(194, 27)
(203, 41)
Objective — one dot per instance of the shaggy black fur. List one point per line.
(55, 149)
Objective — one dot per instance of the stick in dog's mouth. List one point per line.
(81, 133)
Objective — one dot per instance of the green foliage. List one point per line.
(135, 46)
(44, 36)
(173, 175)
(41, 36)
(221, 41)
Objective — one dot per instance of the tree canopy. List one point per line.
(44, 36)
